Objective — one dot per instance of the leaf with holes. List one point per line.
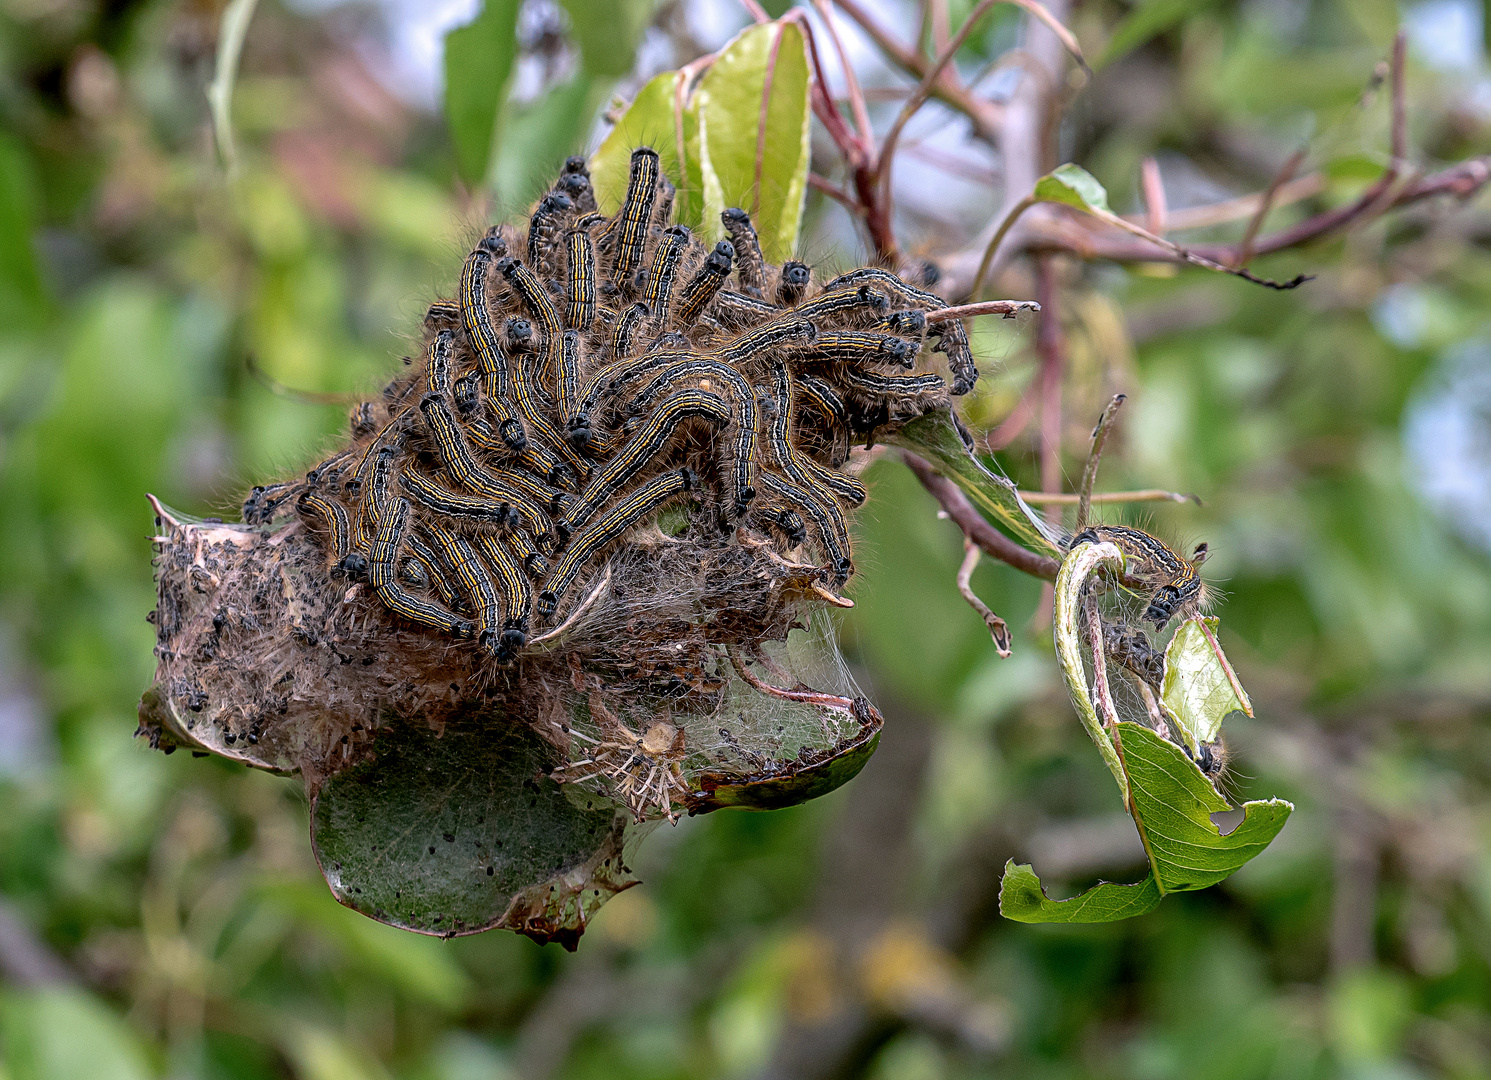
(1172, 803)
(1200, 688)
(1023, 899)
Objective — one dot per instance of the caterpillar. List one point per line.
(641, 367)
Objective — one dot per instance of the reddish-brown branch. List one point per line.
(1051, 346)
(985, 115)
(990, 540)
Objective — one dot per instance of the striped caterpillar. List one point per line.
(595, 372)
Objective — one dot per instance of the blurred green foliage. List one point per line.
(162, 916)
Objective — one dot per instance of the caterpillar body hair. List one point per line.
(594, 370)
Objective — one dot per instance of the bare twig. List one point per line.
(856, 93)
(836, 193)
(1265, 204)
(998, 629)
(1095, 455)
(1102, 692)
(1051, 346)
(1008, 308)
(989, 539)
(985, 115)
(1244, 206)
(1153, 186)
(1042, 498)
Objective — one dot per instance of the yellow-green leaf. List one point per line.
(1200, 688)
(655, 119)
(754, 108)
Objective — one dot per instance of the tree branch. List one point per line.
(989, 539)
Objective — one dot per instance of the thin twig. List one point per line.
(989, 539)
(811, 697)
(1153, 186)
(985, 115)
(1095, 455)
(1244, 206)
(998, 629)
(857, 106)
(1008, 308)
(1051, 346)
(1103, 693)
(1265, 204)
(1042, 498)
(914, 103)
(836, 193)
(992, 247)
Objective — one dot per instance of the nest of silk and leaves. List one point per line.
(598, 501)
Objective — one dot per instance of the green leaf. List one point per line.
(938, 437)
(62, 1033)
(1200, 689)
(537, 136)
(1023, 899)
(1172, 803)
(462, 832)
(655, 118)
(754, 113)
(1073, 185)
(607, 32)
(1145, 21)
(478, 61)
(22, 295)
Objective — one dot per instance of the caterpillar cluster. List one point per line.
(594, 372)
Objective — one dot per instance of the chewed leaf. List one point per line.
(755, 111)
(1172, 803)
(1073, 185)
(1022, 898)
(463, 832)
(1200, 688)
(936, 436)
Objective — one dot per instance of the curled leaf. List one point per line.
(1172, 803)
(1023, 899)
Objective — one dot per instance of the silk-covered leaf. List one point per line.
(464, 831)
(938, 437)
(1200, 688)
(1023, 899)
